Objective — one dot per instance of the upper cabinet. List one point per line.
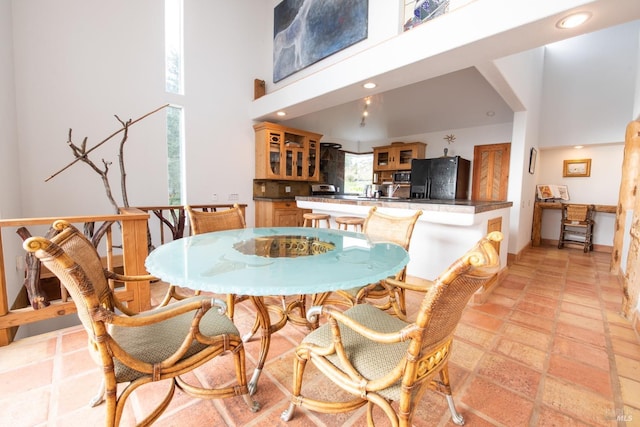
(286, 153)
(397, 156)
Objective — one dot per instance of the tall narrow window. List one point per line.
(174, 84)
(174, 153)
(173, 46)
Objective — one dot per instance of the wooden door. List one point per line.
(491, 172)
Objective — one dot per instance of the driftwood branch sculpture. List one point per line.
(35, 293)
(105, 140)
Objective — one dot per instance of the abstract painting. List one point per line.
(306, 31)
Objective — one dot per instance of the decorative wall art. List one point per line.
(306, 31)
(425, 10)
(576, 168)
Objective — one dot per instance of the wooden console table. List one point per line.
(537, 217)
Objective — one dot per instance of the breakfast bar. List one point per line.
(442, 232)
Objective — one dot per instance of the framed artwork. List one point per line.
(577, 168)
(533, 155)
(306, 31)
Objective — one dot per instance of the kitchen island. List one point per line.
(445, 230)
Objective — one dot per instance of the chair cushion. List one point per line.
(154, 343)
(372, 360)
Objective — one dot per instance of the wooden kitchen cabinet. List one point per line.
(279, 214)
(286, 154)
(397, 156)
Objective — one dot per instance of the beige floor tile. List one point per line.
(630, 391)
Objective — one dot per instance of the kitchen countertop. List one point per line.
(454, 206)
(275, 199)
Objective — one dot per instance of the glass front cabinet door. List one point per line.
(313, 173)
(285, 153)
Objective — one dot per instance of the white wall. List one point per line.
(9, 173)
(590, 92)
(524, 74)
(77, 64)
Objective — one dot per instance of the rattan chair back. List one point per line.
(207, 222)
(574, 212)
(381, 227)
(76, 262)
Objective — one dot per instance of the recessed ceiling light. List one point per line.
(369, 85)
(281, 113)
(573, 20)
(578, 146)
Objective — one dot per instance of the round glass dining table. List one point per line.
(281, 261)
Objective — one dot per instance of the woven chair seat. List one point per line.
(370, 359)
(156, 342)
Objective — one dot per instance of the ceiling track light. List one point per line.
(365, 112)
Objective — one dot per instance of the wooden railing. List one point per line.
(139, 232)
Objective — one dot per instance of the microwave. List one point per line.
(402, 177)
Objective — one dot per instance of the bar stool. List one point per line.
(346, 221)
(313, 219)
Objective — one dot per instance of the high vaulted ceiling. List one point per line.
(445, 91)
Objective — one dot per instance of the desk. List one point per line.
(260, 262)
(537, 217)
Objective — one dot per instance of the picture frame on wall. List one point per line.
(533, 155)
(576, 168)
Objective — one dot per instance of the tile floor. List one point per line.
(548, 348)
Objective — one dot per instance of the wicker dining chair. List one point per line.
(387, 361)
(134, 349)
(207, 222)
(380, 227)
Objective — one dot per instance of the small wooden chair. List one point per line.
(313, 219)
(345, 221)
(576, 226)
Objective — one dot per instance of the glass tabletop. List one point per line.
(275, 261)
